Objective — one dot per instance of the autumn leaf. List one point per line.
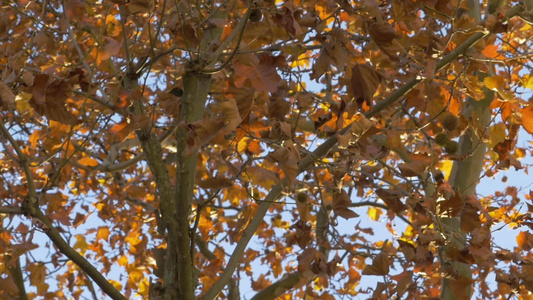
(107, 49)
(244, 97)
(525, 240)
(7, 98)
(140, 6)
(495, 83)
(332, 54)
(8, 286)
(341, 202)
(262, 177)
(527, 81)
(393, 199)
(527, 119)
(229, 113)
(260, 71)
(88, 161)
(364, 83)
(288, 158)
(413, 168)
(379, 266)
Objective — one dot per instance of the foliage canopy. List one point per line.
(155, 139)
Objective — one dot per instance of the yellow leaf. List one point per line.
(497, 134)
(117, 285)
(494, 83)
(22, 102)
(243, 144)
(528, 81)
(446, 168)
(123, 261)
(374, 213)
(136, 276)
(144, 286)
(81, 243)
(103, 233)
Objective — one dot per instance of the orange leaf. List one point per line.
(103, 233)
(525, 240)
(527, 119)
(491, 51)
(88, 161)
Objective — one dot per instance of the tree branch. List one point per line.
(279, 287)
(11, 210)
(16, 274)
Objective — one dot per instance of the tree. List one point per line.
(158, 138)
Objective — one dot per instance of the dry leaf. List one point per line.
(364, 83)
(379, 266)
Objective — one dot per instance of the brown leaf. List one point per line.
(288, 158)
(407, 249)
(244, 97)
(8, 286)
(260, 71)
(305, 259)
(285, 18)
(379, 266)
(461, 287)
(393, 199)
(404, 280)
(341, 202)
(333, 54)
(262, 177)
(280, 131)
(383, 34)
(450, 207)
(364, 83)
(50, 99)
(7, 98)
(413, 168)
(229, 114)
(470, 218)
(202, 131)
(109, 48)
(140, 6)
(464, 255)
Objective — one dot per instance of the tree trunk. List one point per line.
(464, 178)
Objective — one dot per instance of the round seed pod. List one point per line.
(451, 147)
(450, 122)
(442, 139)
(256, 15)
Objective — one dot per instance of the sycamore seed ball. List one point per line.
(301, 197)
(441, 139)
(256, 15)
(451, 147)
(450, 122)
